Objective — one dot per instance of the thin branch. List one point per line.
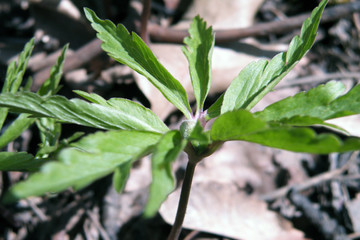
(92, 49)
(38, 212)
(281, 192)
(317, 79)
(98, 225)
(192, 235)
(162, 34)
(80, 57)
(145, 15)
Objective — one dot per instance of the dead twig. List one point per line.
(145, 15)
(161, 34)
(192, 235)
(329, 228)
(98, 225)
(38, 212)
(80, 57)
(356, 19)
(354, 235)
(327, 176)
(317, 79)
(89, 51)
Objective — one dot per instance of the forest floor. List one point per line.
(244, 191)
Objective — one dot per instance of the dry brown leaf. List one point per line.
(239, 163)
(350, 124)
(222, 209)
(219, 205)
(140, 175)
(171, 4)
(292, 162)
(225, 14)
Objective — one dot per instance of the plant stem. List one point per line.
(144, 21)
(184, 198)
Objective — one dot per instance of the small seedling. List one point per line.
(133, 131)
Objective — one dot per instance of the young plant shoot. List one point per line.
(133, 131)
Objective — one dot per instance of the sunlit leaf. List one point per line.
(244, 126)
(163, 183)
(323, 102)
(119, 114)
(132, 51)
(51, 85)
(50, 151)
(50, 131)
(14, 75)
(93, 157)
(23, 121)
(92, 97)
(259, 78)
(16, 71)
(198, 51)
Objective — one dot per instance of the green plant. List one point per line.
(133, 131)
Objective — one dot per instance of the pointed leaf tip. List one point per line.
(91, 158)
(198, 50)
(259, 78)
(244, 126)
(129, 49)
(323, 102)
(116, 113)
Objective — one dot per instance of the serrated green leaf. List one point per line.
(52, 150)
(346, 105)
(259, 78)
(16, 71)
(200, 45)
(50, 131)
(18, 126)
(323, 102)
(14, 75)
(132, 51)
(50, 86)
(121, 174)
(10, 72)
(93, 157)
(163, 183)
(248, 82)
(19, 161)
(120, 114)
(28, 84)
(244, 126)
(3, 115)
(224, 127)
(294, 50)
(304, 121)
(92, 97)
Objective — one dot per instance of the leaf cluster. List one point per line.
(133, 131)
